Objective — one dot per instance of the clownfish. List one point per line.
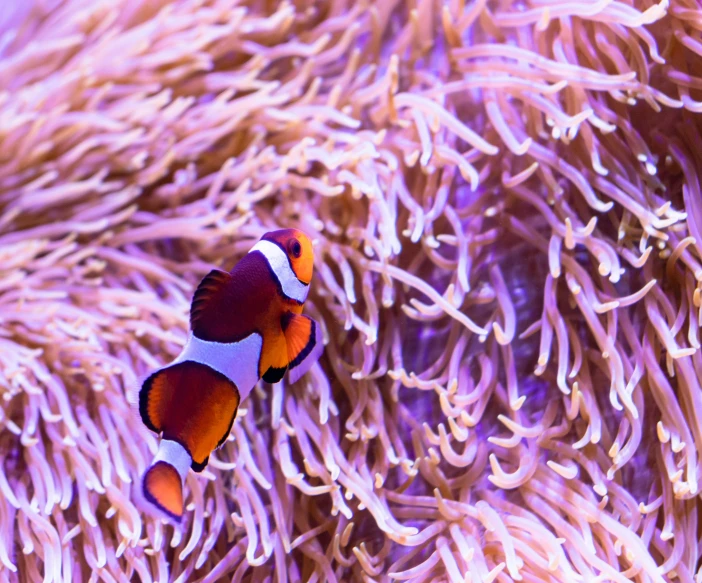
(244, 325)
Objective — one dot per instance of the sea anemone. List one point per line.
(507, 216)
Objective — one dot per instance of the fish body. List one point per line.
(244, 325)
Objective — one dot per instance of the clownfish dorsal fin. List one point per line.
(303, 338)
(214, 284)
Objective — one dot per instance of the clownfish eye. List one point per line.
(295, 248)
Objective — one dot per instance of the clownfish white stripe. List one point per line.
(174, 454)
(238, 361)
(292, 287)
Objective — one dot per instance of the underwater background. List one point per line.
(506, 208)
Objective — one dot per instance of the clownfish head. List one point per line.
(298, 248)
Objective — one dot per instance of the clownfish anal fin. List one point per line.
(224, 438)
(303, 337)
(155, 396)
(212, 285)
(274, 374)
(193, 405)
(199, 466)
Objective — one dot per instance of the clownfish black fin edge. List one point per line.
(274, 374)
(197, 467)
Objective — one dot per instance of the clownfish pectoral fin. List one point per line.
(163, 488)
(212, 286)
(274, 358)
(303, 337)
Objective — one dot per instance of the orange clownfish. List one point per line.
(244, 325)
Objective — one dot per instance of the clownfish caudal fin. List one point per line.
(163, 481)
(163, 488)
(303, 337)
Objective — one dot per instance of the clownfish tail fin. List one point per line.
(163, 482)
(163, 489)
